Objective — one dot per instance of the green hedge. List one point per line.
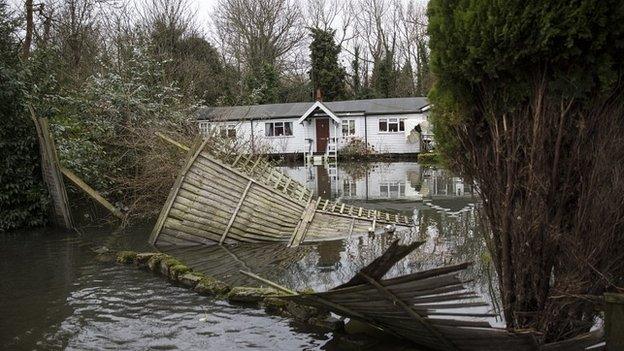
(23, 198)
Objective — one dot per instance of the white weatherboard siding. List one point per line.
(391, 142)
(366, 128)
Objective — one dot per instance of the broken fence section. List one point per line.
(432, 308)
(224, 197)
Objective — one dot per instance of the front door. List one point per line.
(322, 134)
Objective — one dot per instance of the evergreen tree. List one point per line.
(384, 75)
(529, 103)
(23, 197)
(326, 74)
(405, 81)
(355, 66)
(263, 85)
(423, 75)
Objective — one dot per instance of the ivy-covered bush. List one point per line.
(23, 197)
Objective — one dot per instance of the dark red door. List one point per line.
(322, 134)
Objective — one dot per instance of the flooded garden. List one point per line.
(60, 295)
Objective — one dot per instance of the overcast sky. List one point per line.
(204, 7)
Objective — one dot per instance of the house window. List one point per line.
(392, 189)
(392, 125)
(203, 128)
(349, 188)
(273, 129)
(348, 127)
(227, 131)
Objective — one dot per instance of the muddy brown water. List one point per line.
(55, 294)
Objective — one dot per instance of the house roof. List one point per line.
(318, 106)
(298, 109)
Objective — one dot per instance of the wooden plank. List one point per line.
(238, 207)
(92, 193)
(255, 165)
(374, 226)
(247, 176)
(391, 297)
(270, 283)
(192, 155)
(171, 141)
(237, 159)
(301, 230)
(50, 171)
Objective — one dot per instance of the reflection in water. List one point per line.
(54, 295)
(443, 208)
(380, 181)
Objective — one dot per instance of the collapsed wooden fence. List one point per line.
(432, 308)
(223, 196)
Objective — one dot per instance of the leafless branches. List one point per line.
(259, 32)
(551, 180)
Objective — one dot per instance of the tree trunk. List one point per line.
(29, 30)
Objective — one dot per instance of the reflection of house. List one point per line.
(381, 181)
(438, 184)
(386, 181)
(397, 125)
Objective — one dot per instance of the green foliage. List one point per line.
(429, 158)
(405, 81)
(384, 76)
(528, 104)
(263, 85)
(94, 123)
(23, 197)
(326, 74)
(356, 84)
(578, 42)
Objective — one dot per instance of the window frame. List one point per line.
(285, 126)
(392, 189)
(228, 131)
(396, 122)
(351, 129)
(204, 128)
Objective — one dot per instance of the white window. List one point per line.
(227, 131)
(392, 125)
(392, 189)
(203, 128)
(349, 188)
(274, 129)
(348, 127)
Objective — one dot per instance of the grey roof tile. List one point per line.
(297, 109)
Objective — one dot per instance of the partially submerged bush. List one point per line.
(429, 158)
(356, 147)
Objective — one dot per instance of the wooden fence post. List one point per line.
(51, 173)
(614, 321)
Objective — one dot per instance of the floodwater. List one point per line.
(55, 294)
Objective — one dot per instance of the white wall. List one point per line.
(278, 144)
(382, 142)
(391, 142)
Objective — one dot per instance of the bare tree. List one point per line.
(328, 15)
(259, 32)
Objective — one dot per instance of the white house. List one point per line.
(396, 125)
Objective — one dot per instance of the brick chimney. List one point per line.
(318, 95)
